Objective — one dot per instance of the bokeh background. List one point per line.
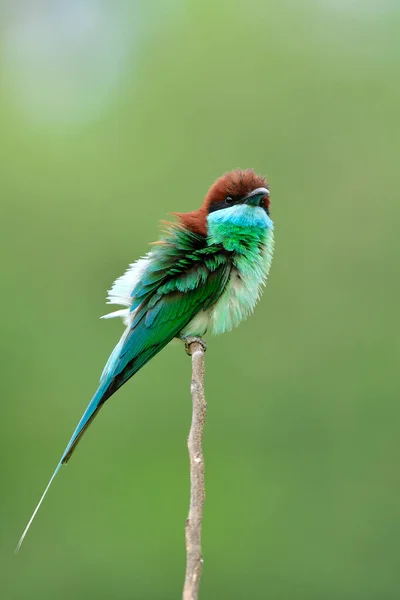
(112, 115)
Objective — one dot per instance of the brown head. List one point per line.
(232, 188)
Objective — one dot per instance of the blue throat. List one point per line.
(239, 228)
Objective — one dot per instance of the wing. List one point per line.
(182, 278)
(171, 292)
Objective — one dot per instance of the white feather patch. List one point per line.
(121, 293)
(117, 313)
(121, 290)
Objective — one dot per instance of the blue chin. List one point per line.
(242, 215)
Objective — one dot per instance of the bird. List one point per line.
(206, 273)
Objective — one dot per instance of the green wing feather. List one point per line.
(184, 277)
(181, 281)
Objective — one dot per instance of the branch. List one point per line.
(194, 562)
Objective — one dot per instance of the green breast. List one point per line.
(247, 232)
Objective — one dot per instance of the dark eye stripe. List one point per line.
(217, 206)
(228, 201)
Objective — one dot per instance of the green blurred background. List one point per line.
(112, 115)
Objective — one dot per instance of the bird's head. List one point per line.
(231, 190)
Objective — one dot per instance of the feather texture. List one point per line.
(208, 274)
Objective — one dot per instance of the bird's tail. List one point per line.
(93, 408)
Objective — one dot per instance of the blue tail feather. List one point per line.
(94, 406)
(117, 371)
(89, 414)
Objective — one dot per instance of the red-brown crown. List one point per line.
(237, 183)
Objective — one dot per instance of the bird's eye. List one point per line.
(229, 200)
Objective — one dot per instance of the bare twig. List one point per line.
(194, 561)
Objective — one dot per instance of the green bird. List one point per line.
(205, 274)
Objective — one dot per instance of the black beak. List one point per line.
(255, 197)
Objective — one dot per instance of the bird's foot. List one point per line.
(188, 340)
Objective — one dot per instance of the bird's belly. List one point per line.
(237, 301)
(197, 326)
(234, 305)
(241, 294)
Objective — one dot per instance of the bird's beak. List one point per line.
(255, 197)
